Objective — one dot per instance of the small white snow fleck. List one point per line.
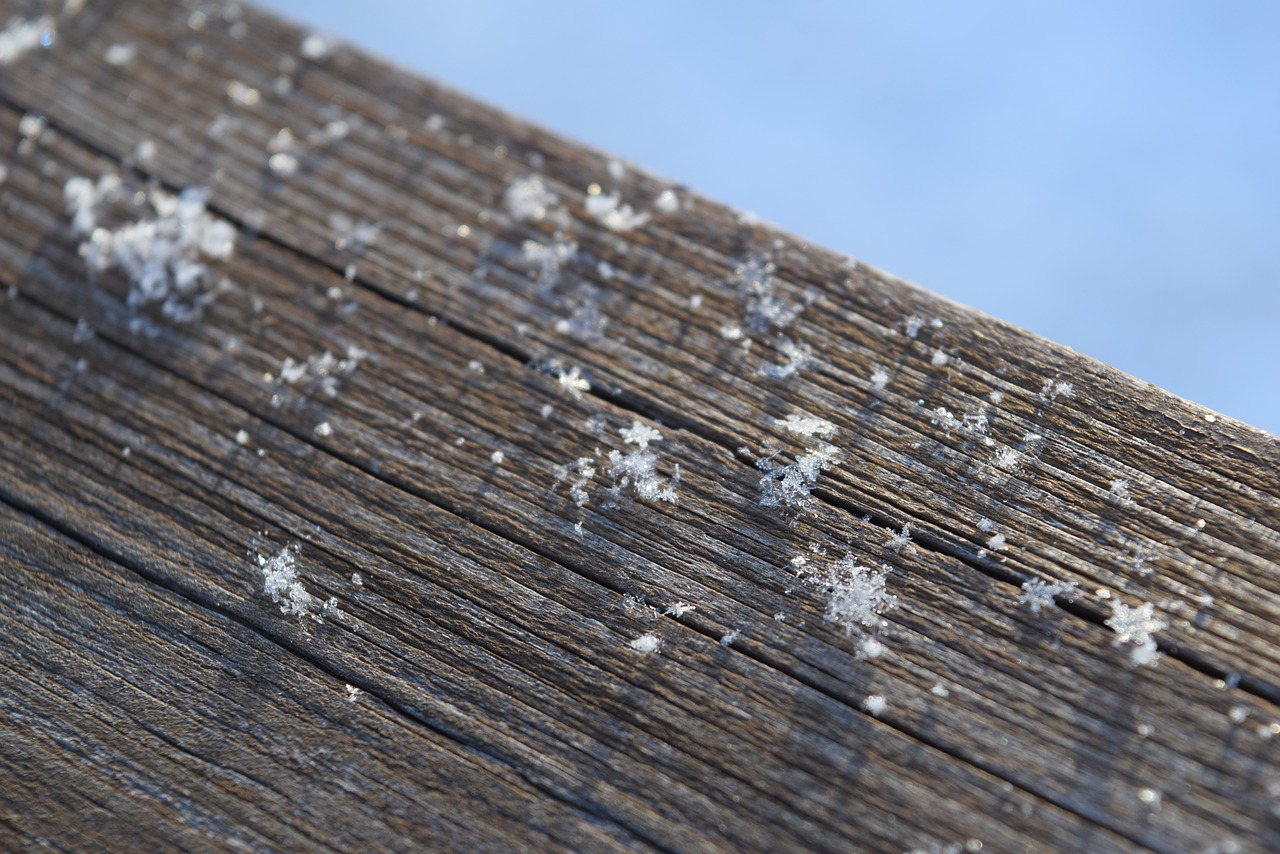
(582, 471)
(1037, 594)
(679, 609)
(573, 382)
(798, 355)
(940, 690)
(546, 410)
(1119, 492)
(242, 437)
(869, 648)
(899, 540)
(791, 485)
(695, 302)
(996, 396)
(242, 94)
(875, 704)
(1136, 625)
(1051, 390)
(280, 582)
(434, 123)
(1238, 714)
(316, 46)
(857, 596)
(357, 579)
(121, 53)
(879, 378)
(324, 429)
(997, 542)
(528, 198)
(667, 202)
(282, 164)
(730, 636)
(21, 36)
(638, 470)
(940, 358)
(475, 366)
(985, 524)
(497, 458)
(353, 693)
(646, 644)
(31, 125)
(911, 326)
(1007, 458)
(609, 212)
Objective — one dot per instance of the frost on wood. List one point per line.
(321, 371)
(607, 209)
(857, 596)
(528, 198)
(280, 582)
(1037, 594)
(637, 470)
(790, 485)
(1136, 626)
(1051, 390)
(21, 36)
(161, 254)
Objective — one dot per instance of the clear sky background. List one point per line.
(1103, 173)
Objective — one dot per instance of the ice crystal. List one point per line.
(1136, 625)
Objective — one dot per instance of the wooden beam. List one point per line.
(449, 372)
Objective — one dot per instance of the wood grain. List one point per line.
(503, 706)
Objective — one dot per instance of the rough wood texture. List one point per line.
(156, 697)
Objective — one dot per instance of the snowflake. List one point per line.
(1136, 625)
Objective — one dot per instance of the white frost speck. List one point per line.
(911, 326)
(899, 540)
(282, 164)
(857, 596)
(582, 471)
(875, 704)
(1051, 390)
(353, 693)
(242, 437)
(609, 212)
(31, 125)
(646, 644)
(940, 358)
(357, 579)
(1136, 625)
(21, 36)
(679, 609)
(121, 53)
(242, 94)
(869, 648)
(940, 690)
(879, 379)
(797, 354)
(730, 636)
(1037, 594)
(497, 458)
(528, 198)
(997, 542)
(573, 382)
(790, 485)
(324, 429)
(1119, 491)
(316, 46)
(667, 202)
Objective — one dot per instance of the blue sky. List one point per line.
(1104, 174)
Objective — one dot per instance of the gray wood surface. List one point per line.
(481, 688)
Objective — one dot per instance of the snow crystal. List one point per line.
(352, 235)
(31, 125)
(679, 609)
(316, 46)
(875, 704)
(528, 198)
(1051, 390)
(280, 582)
(242, 437)
(856, 595)
(1007, 458)
(573, 381)
(582, 471)
(730, 636)
(798, 355)
(637, 470)
(899, 540)
(766, 308)
(547, 260)
(1037, 594)
(282, 164)
(911, 326)
(321, 371)
(160, 255)
(879, 378)
(21, 36)
(353, 693)
(940, 358)
(1136, 625)
(324, 429)
(869, 648)
(646, 644)
(940, 690)
(497, 458)
(607, 210)
(807, 425)
(242, 94)
(1119, 491)
(357, 579)
(586, 322)
(996, 542)
(667, 202)
(790, 485)
(120, 53)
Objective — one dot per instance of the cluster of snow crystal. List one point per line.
(667, 202)
(21, 36)
(879, 379)
(120, 53)
(1119, 492)
(528, 198)
(586, 322)
(857, 596)
(1051, 390)
(797, 354)
(607, 209)
(637, 470)
(161, 254)
(790, 485)
(646, 644)
(1136, 626)
(280, 582)
(352, 235)
(899, 541)
(321, 371)
(582, 470)
(765, 308)
(546, 260)
(1037, 594)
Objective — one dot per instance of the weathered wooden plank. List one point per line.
(1045, 732)
(423, 185)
